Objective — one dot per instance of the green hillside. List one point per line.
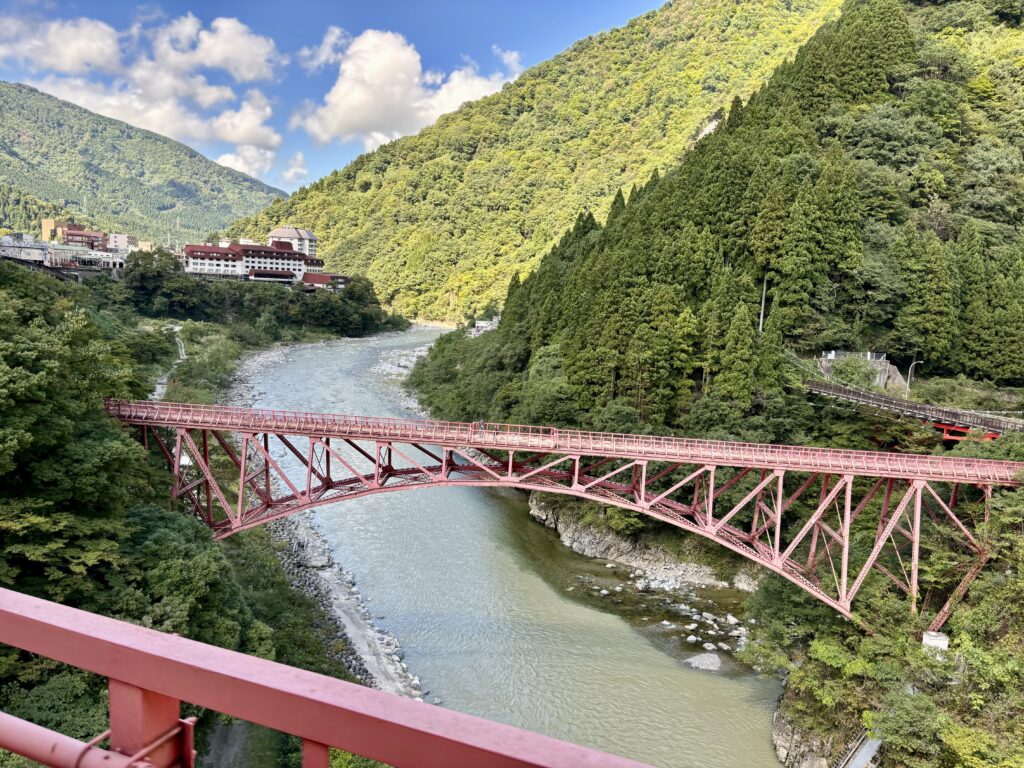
(123, 178)
(871, 192)
(441, 221)
(868, 197)
(20, 212)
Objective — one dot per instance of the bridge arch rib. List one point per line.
(823, 519)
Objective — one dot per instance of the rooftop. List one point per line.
(301, 234)
(314, 278)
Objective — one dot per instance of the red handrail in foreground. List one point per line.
(151, 672)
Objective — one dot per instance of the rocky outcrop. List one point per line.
(796, 749)
(658, 568)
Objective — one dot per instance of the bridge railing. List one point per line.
(953, 416)
(515, 436)
(150, 673)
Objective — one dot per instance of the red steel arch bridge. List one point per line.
(822, 518)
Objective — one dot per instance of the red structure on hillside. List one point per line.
(822, 518)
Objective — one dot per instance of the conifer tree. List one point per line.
(618, 206)
(977, 333)
(840, 211)
(799, 269)
(768, 234)
(716, 317)
(926, 323)
(735, 382)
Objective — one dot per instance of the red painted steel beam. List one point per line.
(55, 749)
(316, 708)
(508, 437)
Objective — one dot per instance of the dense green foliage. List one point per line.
(442, 220)
(156, 285)
(85, 517)
(868, 197)
(20, 212)
(124, 178)
(835, 196)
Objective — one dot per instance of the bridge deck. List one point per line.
(934, 413)
(511, 437)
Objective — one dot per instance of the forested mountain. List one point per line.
(442, 220)
(123, 178)
(870, 194)
(20, 212)
(868, 197)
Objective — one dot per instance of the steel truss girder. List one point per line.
(765, 513)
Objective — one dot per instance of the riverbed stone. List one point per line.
(710, 662)
(709, 647)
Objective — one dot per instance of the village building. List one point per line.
(277, 262)
(301, 240)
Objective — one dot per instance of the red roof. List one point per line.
(281, 245)
(314, 278)
(264, 250)
(210, 251)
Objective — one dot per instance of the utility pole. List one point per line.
(910, 375)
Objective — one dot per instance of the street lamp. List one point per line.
(910, 375)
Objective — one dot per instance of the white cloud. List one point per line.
(296, 170)
(246, 158)
(228, 44)
(164, 87)
(330, 50)
(382, 91)
(72, 46)
(247, 124)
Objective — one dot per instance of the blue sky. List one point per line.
(289, 90)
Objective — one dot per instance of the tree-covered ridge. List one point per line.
(868, 197)
(442, 220)
(124, 178)
(21, 212)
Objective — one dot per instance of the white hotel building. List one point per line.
(275, 263)
(301, 240)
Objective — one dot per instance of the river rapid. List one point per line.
(494, 615)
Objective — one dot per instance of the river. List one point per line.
(495, 616)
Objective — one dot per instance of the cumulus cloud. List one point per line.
(72, 46)
(330, 50)
(246, 158)
(296, 170)
(158, 79)
(228, 44)
(247, 124)
(382, 91)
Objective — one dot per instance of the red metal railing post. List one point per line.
(915, 556)
(314, 754)
(138, 718)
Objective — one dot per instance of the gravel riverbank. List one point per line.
(372, 655)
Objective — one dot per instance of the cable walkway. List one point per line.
(933, 413)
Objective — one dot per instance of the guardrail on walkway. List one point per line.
(934, 413)
(150, 673)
